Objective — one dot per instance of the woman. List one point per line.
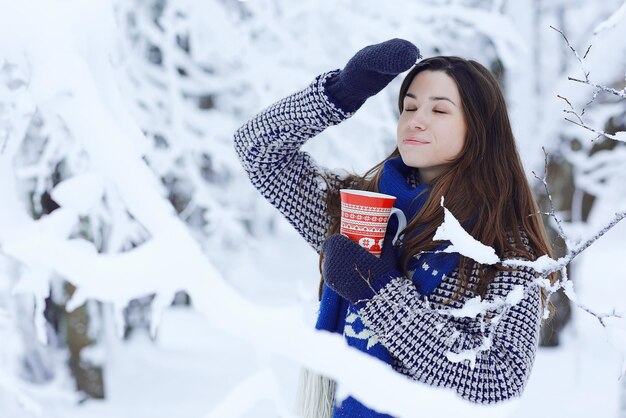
(454, 140)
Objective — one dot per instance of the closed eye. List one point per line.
(436, 111)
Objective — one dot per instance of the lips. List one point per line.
(415, 141)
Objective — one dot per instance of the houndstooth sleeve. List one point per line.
(422, 340)
(268, 147)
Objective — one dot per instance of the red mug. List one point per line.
(364, 218)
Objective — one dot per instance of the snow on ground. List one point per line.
(574, 381)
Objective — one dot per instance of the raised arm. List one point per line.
(268, 145)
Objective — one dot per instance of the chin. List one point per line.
(411, 162)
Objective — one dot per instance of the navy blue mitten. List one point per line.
(369, 71)
(353, 272)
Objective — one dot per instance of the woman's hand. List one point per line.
(369, 71)
(352, 271)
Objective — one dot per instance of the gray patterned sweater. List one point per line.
(423, 340)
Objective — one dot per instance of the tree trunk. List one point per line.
(88, 377)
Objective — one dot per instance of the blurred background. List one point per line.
(123, 202)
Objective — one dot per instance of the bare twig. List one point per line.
(544, 181)
(620, 93)
(600, 317)
(582, 65)
(585, 244)
(572, 111)
(598, 88)
(600, 133)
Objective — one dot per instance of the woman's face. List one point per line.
(431, 129)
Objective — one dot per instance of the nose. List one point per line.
(417, 121)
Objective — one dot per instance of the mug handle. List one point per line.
(401, 222)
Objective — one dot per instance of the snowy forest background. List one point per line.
(142, 275)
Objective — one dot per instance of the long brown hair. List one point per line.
(486, 179)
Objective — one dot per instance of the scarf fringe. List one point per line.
(315, 397)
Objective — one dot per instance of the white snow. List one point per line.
(612, 20)
(79, 193)
(462, 242)
(619, 136)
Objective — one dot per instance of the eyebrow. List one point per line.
(431, 98)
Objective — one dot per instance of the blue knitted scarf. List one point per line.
(338, 315)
